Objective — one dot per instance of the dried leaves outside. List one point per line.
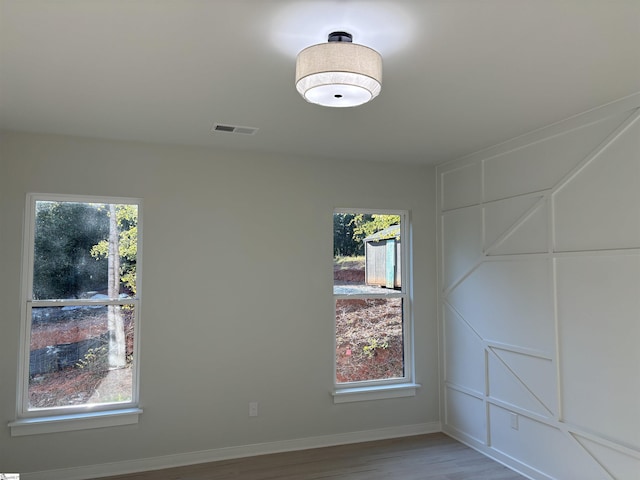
(369, 336)
(369, 346)
(87, 381)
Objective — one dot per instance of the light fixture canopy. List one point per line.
(339, 73)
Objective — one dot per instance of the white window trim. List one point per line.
(74, 421)
(387, 388)
(379, 392)
(61, 419)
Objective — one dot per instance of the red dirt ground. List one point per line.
(74, 385)
(368, 340)
(358, 325)
(44, 334)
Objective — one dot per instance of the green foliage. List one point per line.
(64, 235)
(374, 344)
(70, 248)
(127, 216)
(343, 263)
(343, 242)
(95, 359)
(365, 225)
(349, 231)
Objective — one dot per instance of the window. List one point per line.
(80, 306)
(372, 305)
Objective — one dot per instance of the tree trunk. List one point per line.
(117, 347)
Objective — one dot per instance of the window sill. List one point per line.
(379, 392)
(76, 421)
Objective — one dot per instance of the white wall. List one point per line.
(237, 295)
(539, 246)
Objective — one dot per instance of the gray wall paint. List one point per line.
(237, 302)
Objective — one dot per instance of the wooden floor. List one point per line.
(431, 457)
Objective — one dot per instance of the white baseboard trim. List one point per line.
(192, 458)
(509, 462)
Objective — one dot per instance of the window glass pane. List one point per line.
(369, 339)
(71, 250)
(367, 251)
(81, 355)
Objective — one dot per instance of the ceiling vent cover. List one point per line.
(221, 127)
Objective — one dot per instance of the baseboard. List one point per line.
(509, 462)
(192, 458)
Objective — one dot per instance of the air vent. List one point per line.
(220, 127)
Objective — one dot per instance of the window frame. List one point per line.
(391, 387)
(77, 417)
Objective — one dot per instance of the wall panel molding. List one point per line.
(606, 143)
(573, 376)
(626, 104)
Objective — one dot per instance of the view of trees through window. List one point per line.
(82, 303)
(370, 297)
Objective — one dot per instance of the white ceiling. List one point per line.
(459, 75)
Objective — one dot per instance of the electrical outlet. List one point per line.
(514, 421)
(253, 409)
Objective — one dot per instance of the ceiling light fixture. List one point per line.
(339, 73)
